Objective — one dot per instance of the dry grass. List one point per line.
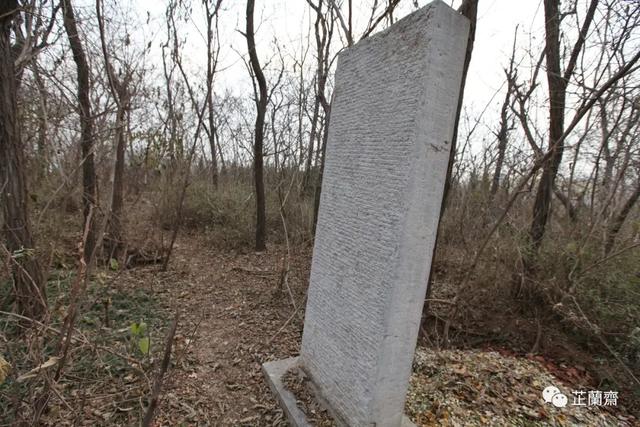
(227, 213)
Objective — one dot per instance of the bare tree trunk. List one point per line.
(569, 207)
(200, 112)
(212, 142)
(171, 114)
(211, 69)
(557, 82)
(503, 133)
(120, 90)
(28, 279)
(274, 136)
(323, 34)
(261, 107)
(114, 225)
(502, 136)
(301, 107)
(323, 149)
(312, 138)
(619, 219)
(89, 181)
(557, 91)
(223, 166)
(43, 124)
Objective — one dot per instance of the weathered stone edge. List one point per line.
(273, 372)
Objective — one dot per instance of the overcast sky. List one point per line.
(289, 22)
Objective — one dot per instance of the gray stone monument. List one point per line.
(392, 121)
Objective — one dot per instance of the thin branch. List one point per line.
(157, 386)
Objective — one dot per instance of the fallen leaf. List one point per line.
(5, 367)
(32, 373)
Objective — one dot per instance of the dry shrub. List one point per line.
(580, 295)
(227, 213)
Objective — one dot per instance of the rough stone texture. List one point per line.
(389, 140)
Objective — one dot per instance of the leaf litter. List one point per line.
(478, 388)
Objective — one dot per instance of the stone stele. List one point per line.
(390, 132)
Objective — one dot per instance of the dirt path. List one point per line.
(230, 308)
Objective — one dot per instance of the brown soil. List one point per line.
(231, 310)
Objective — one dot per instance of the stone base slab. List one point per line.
(273, 371)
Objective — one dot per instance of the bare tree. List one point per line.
(28, 278)
(43, 121)
(213, 51)
(620, 217)
(323, 29)
(502, 135)
(31, 30)
(89, 181)
(261, 109)
(199, 111)
(557, 82)
(121, 92)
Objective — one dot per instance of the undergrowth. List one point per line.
(567, 300)
(227, 213)
(108, 374)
